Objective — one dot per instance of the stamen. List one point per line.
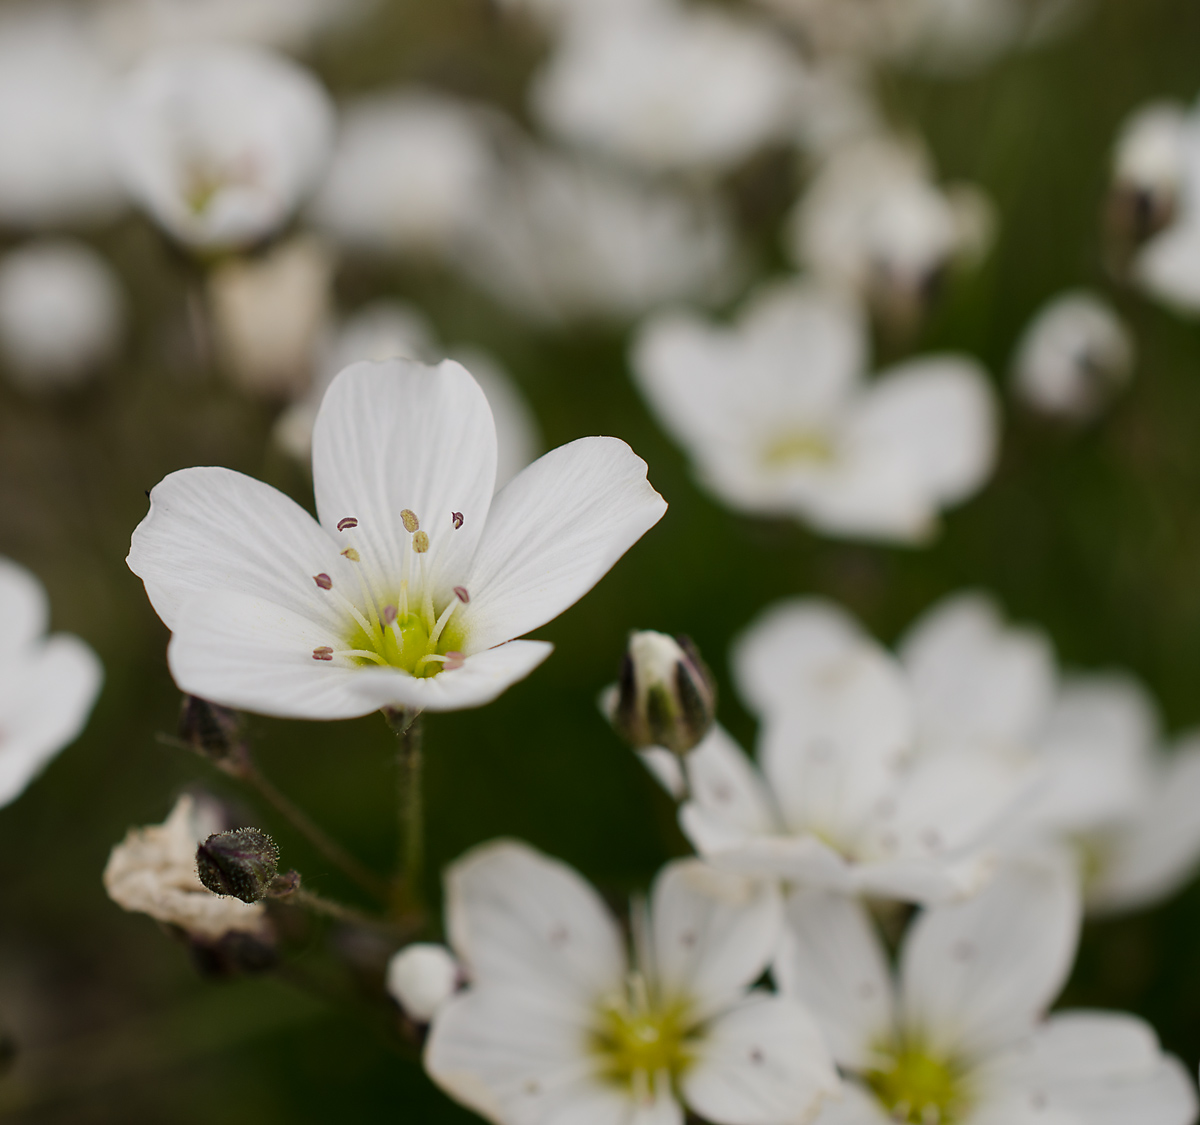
(456, 518)
(324, 581)
(409, 518)
(351, 554)
(389, 615)
(347, 523)
(420, 542)
(362, 652)
(323, 653)
(441, 621)
(460, 592)
(348, 605)
(452, 660)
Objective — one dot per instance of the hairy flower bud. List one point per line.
(241, 863)
(666, 696)
(213, 731)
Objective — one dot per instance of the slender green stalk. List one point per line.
(410, 806)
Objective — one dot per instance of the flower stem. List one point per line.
(410, 806)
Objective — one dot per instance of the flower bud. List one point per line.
(241, 863)
(213, 731)
(421, 978)
(665, 696)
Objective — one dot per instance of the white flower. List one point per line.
(409, 172)
(269, 314)
(959, 1034)
(1150, 157)
(846, 797)
(1073, 357)
(55, 91)
(572, 15)
(408, 591)
(153, 871)
(61, 313)
(421, 977)
(875, 222)
(565, 240)
(386, 329)
(559, 1024)
(668, 87)
(221, 143)
(778, 418)
(48, 685)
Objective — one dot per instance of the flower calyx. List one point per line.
(243, 863)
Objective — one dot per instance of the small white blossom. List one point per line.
(1074, 356)
(409, 590)
(560, 1023)
(564, 240)
(421, 977)
(1150, 157)
(62, 313)
(55, 91)
(409, 172)
(959, 1032)
(153, 871)
(669, 87)
(48, 684)
(221, 143)
(875, 222)
(779, 418)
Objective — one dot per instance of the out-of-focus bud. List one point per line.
(1073, 357)
(665, 696)
(242, 863)
(1148, 171)
(214, 732)
(421, 978)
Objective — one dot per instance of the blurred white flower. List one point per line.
(1073, 357)
(847, 798)
(421, 977)
(48, 685)
(410, 171)
(153, 871)
(221, 143)
(571, 15)
(408, 591)
(559, 1023)
(669, 87)
(960, 1033)
(387, 329)
(129, 28)
(565, 240)
(874, 221)
(55, 91)
(62, 313)
(778, 418)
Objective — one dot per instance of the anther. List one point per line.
(389, 615)
(453, 660)
(460, 592)
(351, 554)
(347, 523)
(409, 518)
(324, 581)
(323, 653)
(420, 542)
(456, 518)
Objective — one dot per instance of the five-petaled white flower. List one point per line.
(409, 590)
(560, 1024)
(779, 419)
(959, 1036)
(48, 685)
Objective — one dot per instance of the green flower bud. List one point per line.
(241, 863)
(665, 696)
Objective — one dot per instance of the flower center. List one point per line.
(394, 622)
(796, 448)
(919, 1089)
(638, 1041)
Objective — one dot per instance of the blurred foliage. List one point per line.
(1095, 536)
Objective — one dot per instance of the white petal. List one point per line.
(854, 1106)
(554, 531)
(799, 859)
(976, 679)
(714, 933)
(500, 1052)
(831, 959)
(519, 918)
(398, 435)
(976, 975)
(214, 529)
(782, 646)
(930, 882)
(24, 607)
(761, 1063)
(1156, 850)
(725, 785)
(45, 702)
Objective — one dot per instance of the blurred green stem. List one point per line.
(410, 806)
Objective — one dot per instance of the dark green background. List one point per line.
(1095, 536)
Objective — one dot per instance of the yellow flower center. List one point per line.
(799, 447)
(919, 1089)
(637, 1040)
(405, 643)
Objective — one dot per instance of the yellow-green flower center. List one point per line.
(798, 447)
(919, 1089)
(637, 1041)
(405, 643)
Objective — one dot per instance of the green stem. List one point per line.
(410, 806)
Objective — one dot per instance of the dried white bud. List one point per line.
(421, 978)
